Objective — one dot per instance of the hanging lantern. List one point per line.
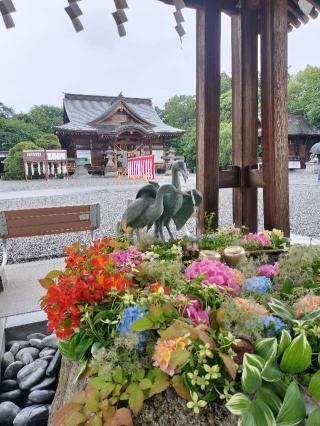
(74, 11)
(6, 8)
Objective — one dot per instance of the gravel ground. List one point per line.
(113, 194)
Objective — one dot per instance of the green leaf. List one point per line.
(53, 274)
(145, 384)
(281, 310)
(155, 313)
(106, 389)
(287, 286)
(254, 360)
(314, 386)
(136, 401)
(271, 373)
(311, 316)
(247, 420)
(297, 356)
(81, 369)
(251, 376)
(293, 409)
(179, 358)
(180, 387)
(267, 348)
(142, 324)
(285, 341)
(118, 375)
(262, 413)
(270, 398)
(314, 418)
(238, 404)
(160, 385)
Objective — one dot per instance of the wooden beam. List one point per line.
(208, 107)
(274, 108)
(297, 12)
(229, 178)
(244, 28)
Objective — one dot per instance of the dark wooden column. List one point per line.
(208, 107)
(244, 27)
(274, 108)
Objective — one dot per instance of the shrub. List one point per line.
(13, 164)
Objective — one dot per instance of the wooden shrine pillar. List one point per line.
(208, 107)
(244, 36)
(274, 109)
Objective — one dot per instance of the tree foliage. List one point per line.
(13, 131)
(304, 94)
(45, 117)
(6, 111)
(13, 164)
(48, 141)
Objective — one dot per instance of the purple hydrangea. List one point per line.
(272, 325)
(257, 284)
(130, 315)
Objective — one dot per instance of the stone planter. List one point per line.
(166, 409)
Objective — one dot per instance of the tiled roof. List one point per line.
(298, 125)
(83, 110)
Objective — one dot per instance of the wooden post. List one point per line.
(208, 107)
(244, 27)
(274, 108)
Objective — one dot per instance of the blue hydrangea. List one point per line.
(130, 315)
(272, 325)
(257, 284)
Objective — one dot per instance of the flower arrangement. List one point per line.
(143, 321)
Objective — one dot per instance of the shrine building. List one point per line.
(96, 127)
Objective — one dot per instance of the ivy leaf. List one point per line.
(180, 387)
(106, 389)
(285, 341)
(297, 356)
(293, 409)
(95, 421)
(142, 324)
(136, 401)
(92, 400)
(314, 386)
(314, 418)
(238, 404)
(145, 384)
(160, 385)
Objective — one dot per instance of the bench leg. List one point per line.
(3, 264)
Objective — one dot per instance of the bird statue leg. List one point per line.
(167, 225)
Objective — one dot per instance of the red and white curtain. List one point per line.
(141, 167)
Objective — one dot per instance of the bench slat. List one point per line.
(48, 220)
(59, 228)
(12, 214)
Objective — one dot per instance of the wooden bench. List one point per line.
(46, 221)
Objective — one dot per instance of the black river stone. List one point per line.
(50, 341)
(13, 395)
(8, 385)
(17, 345)
(32, 373)
(41, 396)
(54, 364)
(12, 370)
(32, 415)
(47, 352)
(45, 384)
(33, 352)
(36, 343)
(8, 411)
(39, 336)
(7, 359)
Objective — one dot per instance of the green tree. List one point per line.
(226, 107)
(13, 131)
(304, 94)
(225, 83)
(6, 111)
(13, 164)
(45, 117)
(48, 141)
(225, 154)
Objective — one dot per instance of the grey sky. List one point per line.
(43, 56)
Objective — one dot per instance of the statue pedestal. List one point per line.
(81, 171)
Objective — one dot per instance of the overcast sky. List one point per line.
(43, 56)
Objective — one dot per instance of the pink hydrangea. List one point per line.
(215, 273)
(127, 258)
(194, 311)
(269, 270)
(259, 238)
